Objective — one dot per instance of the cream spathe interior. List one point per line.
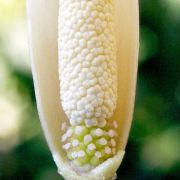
(43, 34)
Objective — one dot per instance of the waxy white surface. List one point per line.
(43, 23)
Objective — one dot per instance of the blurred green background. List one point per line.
(153, 150)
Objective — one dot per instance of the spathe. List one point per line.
(43, 34)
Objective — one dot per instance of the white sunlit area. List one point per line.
(153, 148)
(14, 63)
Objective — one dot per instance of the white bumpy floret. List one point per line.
(88, 77)
(87, 55)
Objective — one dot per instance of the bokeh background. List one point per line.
(153, 150)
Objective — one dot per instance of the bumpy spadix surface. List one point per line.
(88, 79)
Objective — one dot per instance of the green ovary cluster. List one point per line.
(89, 145)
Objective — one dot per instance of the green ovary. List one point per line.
(89, 145)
